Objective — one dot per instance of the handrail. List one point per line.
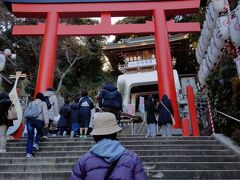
(227, 115)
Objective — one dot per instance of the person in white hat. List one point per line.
(108, 159)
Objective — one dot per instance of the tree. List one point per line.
(79, 59)
(73, 52)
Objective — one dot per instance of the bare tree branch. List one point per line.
(67, 56)
(58, 70)
(63, 74)
(33, 46)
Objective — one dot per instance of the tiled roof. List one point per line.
(144, 40)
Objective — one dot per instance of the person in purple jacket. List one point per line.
(95, 164)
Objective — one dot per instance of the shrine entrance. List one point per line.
(52, 29)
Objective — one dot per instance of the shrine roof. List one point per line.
(141, 41)
(113, 50)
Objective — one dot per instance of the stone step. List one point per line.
(194, 174)
(163, 158)
(131, 147)
(154, 174)
(191, 166)
(139, 152)
(127, 142)
(147, 166)
(166, 158)
(62, 139)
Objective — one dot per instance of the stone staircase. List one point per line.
(163, 158)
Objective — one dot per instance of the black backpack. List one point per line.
(111, 95)
(49, 105)
(66, 112)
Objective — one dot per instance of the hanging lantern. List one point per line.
(237, 61)
(222, 24)
(211, 60)
(237, 12)
(214, 49)
(13, 56)
(202, 49)
(2, 62)
(234, 32)
(203, 43)
(207, 33)
(7, 52)
(204, 69)
(199, 59)
(211, 17)
(213, 14)
(201, 79)
(200, 53)
(219, 6)
(209, 63)
(219, 43)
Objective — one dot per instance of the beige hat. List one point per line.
(105, 123)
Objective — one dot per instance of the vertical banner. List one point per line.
(141, 104)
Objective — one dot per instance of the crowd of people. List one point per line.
(159, 113)
(43, 112)
(72, 119)
(75, 117)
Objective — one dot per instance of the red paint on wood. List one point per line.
(192, 111)
(104, 28)
(48, 54)
(117, 9)
(185, 127)
(164, 62)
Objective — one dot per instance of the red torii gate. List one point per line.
(52, 29)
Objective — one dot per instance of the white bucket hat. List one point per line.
(105, 123)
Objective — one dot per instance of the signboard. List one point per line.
(147, 62)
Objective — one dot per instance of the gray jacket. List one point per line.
(42, 109)
(53, 111)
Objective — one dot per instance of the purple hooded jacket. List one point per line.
(94, 164)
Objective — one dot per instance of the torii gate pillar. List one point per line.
(166, 84)
(47, 59)
(53, 9)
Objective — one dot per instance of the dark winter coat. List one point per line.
(151, 110)
(95, 164)
(64, 121)
(164, 116)
(85, 106)
(110, 97)
(74, 117)
(5, 104)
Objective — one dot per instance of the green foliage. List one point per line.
(224, 92)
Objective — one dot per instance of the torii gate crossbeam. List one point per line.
(52, 29)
